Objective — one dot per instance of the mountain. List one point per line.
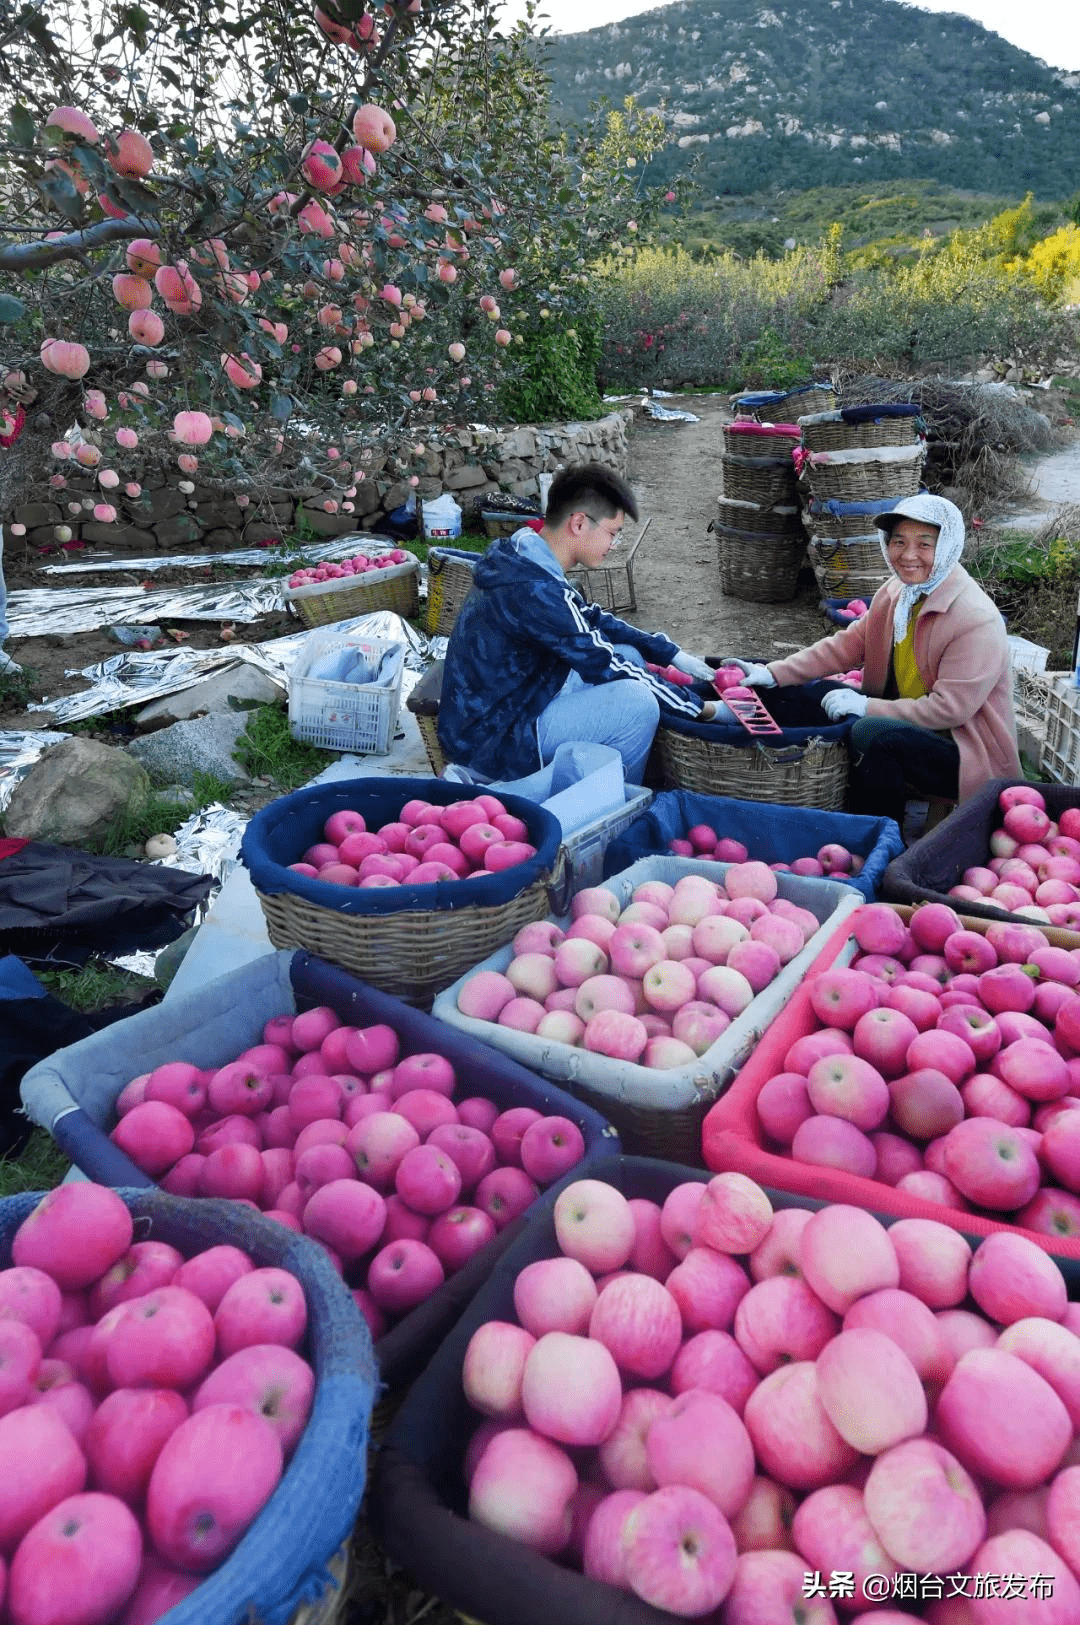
(828, 92)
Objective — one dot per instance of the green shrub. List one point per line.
(554, 374)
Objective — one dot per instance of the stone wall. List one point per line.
(469, 463)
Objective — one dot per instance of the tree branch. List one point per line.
(73, 244)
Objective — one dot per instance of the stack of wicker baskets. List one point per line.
(857, 462)
(759, 533)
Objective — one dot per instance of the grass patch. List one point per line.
(157, 814)
(18, 688)
(97, 985)
(39, 1166)
(470, 542)
(267, 750)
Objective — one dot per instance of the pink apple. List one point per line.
(504, 1194)
(870, 1390)
(570, 1389)
(576, 961)
(725, 987)
(402, 1274)
(493, 1369)
(534, 975)
(594, 1224)
(550, 1148)
(1017, 1551)
(679, 1551)
(603, 1553)
(484, 995)
(377, 1145)
(770, 1586)
(845, 1253)
(1052, 1213)
(162, 1340)
(346, 1215)
(782, 1105)
(990, 1164)
(925, 1104)
(931, 926)
(213, 1476)
(80, 1561)
(934, 1261)
(896, 1157)
(833, 1142)
(793, 1439)
(832, 1532)
(426, 1110)
(924, 1507)
(849, 1087)
(734, 1215)
(814, 1047)
(707, 1286)
(126, 1436)
(1033, 1428)
(524, 1487)
(839, 997)
(1011, 1279)
(780, 1319)
(615, 1033)
(700, 1440)
(712, 1360)
(678, 1216)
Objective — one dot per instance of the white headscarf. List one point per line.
(949, 520)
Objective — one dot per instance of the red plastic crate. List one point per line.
(732, 1138)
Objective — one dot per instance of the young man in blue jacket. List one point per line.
(530, 666)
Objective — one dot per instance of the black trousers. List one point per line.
(891, 759)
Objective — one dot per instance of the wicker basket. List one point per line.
(397, 589)
(828, 526)
(768, 481)
(450, 581)
(423, 702)
(866, 481)
(412, 955)
(503, 524)
(762, 569)
(754, 519)
(741, 440)
(810, 775)
(851, 436)
(853, 569)
(429, 734)
(804, 400)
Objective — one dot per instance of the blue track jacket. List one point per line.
(521, 631)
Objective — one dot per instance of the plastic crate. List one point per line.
(732, 1138)
(660, 1113)
(291, 1551)
(924, 873)
(359, 717)
(1061, 750)
(587, 846)
(772, 834)
(73, 1093)
(419, 1503)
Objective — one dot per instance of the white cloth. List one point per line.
(693, 667)
(844, 702)
(947, 517)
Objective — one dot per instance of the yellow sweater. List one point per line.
(909, 685)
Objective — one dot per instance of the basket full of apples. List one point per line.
(684, 1397)
(939, 1071)
(803, 840)
(651, 993)
(406, 1150)
(1011, 851)
(405, 882)
(185, 1408)
(374, 579)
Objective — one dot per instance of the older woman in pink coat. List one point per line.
(935, 714)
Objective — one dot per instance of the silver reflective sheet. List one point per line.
(36, 611)
(19, 751)
(667, 414)
(135, 676)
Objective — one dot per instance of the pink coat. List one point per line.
(963, 660)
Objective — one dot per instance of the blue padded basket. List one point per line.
(829, 608)
(408, 940)
(72, 1094)
(774, 834)
(281, 1562)
(285, 828)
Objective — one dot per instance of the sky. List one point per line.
(1049, 29)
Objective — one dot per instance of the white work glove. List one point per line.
(693, 667)
(716, 711)
(839, 703)
(756, 676)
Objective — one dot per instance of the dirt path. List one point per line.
(675, 471)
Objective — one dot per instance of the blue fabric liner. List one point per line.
(758, 398)
(283, 831)
(831, 605)
(872, 411)
(771, 833)
(282, 1558)
(843, 510)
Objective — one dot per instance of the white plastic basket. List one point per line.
(696, 1084)
(357, 717)
(585, 847)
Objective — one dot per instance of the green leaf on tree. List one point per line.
(11, 309)
(281, 407)
(22, 126)
(134, 20)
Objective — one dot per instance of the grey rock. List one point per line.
(37, 513)
(178, 795)
(204, 745)
(460, 479)
(212, 694)
(75, 792)
(179, 529)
